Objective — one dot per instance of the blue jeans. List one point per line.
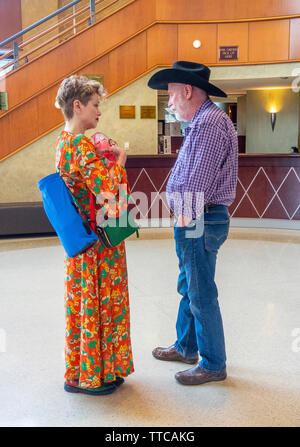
(199, 323)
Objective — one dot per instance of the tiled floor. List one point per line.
(258, 276)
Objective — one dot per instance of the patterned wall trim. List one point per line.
(268, 187)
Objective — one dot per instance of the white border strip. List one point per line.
(283, 224)
(241, 222)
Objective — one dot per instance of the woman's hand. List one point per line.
(120, 153)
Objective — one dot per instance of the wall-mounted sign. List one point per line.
(148, 112)
(3, 101)
(127, 112)
(228, 53)
(98, 78)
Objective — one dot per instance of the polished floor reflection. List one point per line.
(258, 277)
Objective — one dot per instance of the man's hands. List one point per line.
(183, 221)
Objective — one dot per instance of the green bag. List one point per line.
(114, 231)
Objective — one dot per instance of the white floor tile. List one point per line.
(259, 291)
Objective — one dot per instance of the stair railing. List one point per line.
(89, 19)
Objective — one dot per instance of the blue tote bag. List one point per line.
(74, 232)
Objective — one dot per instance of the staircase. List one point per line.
(117, 47)
(131, 41)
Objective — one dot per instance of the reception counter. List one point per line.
(268, 195)
(268, 186)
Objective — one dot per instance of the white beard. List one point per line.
(179, 118)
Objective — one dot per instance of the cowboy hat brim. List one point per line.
(161, 79)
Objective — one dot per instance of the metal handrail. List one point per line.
(48, 30)
(62, 22)
(39, 22)
(54, 38)
(15, 51)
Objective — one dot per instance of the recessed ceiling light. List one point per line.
(196, 44)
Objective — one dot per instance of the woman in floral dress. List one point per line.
(98, 348)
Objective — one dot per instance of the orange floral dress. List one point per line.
(97, 338)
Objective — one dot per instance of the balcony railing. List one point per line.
(77, 21)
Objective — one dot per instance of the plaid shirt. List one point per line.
(207, 164)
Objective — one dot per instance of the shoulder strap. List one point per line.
(76, 203)
(92, 212)
(90, 219)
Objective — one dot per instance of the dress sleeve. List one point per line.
(92, 167)
(124, 191)
(95, 173)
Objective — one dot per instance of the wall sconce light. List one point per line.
(273, 118)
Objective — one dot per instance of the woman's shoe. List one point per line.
(99, 391)
(118, 382)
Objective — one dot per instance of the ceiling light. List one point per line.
(196, 44)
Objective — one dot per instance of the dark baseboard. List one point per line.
(24, 218)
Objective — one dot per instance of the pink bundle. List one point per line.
(102, 145)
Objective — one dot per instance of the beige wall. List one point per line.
(140, 133)
(32, 11)
(262, 71)
(259, 135)
(242, 115)
(20, 173)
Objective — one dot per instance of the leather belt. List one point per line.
(208, 205)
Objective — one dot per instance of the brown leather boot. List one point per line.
(197, 376)
(171, 354)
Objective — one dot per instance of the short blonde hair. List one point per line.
(76, 87)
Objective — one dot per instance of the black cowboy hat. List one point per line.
(183, 72)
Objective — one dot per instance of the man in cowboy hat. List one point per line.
(205, 173)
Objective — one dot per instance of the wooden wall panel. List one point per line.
(42, 72)
(161, 45)
(27, 81)
(23, 124)
(79, 50)
(232, 34)
(99, 67)
(207, 34)
(128, 61)
(269, 41)
(49, 68)
(295, 39)
(48, 114)
(11, 19)
(124, 23)
(5, 146)
(224, 10)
